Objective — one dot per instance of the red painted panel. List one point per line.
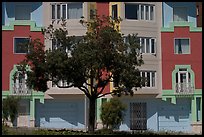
(8, 56)
(169, 59)
(102, 8)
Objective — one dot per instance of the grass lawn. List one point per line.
(38, 131)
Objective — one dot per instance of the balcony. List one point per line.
(21, 89)
(184, 88)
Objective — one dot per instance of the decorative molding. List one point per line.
(32, 25)
(181, 24)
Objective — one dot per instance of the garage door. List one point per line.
(175, 117)
(60, 114)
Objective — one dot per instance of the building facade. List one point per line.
(171, 43)
(22, 21)
(182, 63)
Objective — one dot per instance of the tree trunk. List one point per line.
(92, 111)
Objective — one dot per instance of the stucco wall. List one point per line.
(169, 59)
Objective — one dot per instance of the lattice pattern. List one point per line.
(138, 118)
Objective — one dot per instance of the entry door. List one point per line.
(138, 116)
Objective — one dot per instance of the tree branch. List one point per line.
(85, 90)
(105, 94)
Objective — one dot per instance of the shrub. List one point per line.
(10, 108)
(112, 113)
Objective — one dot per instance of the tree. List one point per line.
(83, 62)
(10, 108)
(112, 113)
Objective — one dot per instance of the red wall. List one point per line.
(169, 59)
(102, 8)
(8, 56)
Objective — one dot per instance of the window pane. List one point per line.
(148, 79)
(142, 45)
(131, 11)
(143, 76)
(147, 12)
(114, 11)
(53, 11)
(21, 45)
(75, 10)
(180, 14)
(22, 12)
(151, 13)
(153, 46)
(185, 46)
(182, 46)
(142, 12)
(58, 11)
(177, 77)
(153, 79)
(147, 46)
(64, 11)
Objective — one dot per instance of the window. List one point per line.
(22, 12)
(53, 11)
(62, 83)
(67, 11)
(55, 44)
(139, 12)
(21, 45)
(147, 45)
(20, 85)
(114, 11)
(180, 14)
(149, 78)
(64, 11)
(183, 82)
(182, 46)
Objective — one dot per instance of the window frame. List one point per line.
(150, 45)
(175, 46)
(14, 44)
(150, 79)
(61, 10)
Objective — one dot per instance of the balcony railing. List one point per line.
(184, 88)
(21, 89)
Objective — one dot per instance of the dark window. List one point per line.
(64, 11)
(53, 11)
(114, 11)
(182, 46)
(131, 11)
(58, 11)
(21, 45)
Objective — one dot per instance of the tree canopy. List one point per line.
(88, 62)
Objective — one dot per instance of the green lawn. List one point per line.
(38, 131)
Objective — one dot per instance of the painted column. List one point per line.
(32, 112)
(193, 109)
(201, 108)
(98, 112)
